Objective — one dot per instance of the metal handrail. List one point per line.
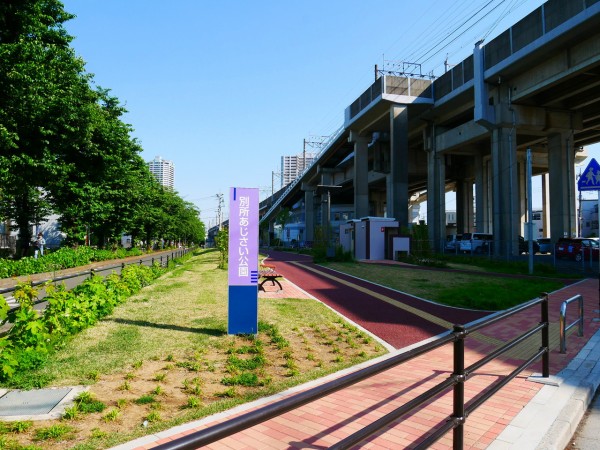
(562, 321)
(293, 184)
(456, 380)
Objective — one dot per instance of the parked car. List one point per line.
(577, 248)
(452, 241)
(546, 245)
(524, 246)
(473, 242)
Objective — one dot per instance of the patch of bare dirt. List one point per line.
(156, 392)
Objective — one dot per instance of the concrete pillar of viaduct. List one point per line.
(464, 205)
(482, 195)
(522, 193)
(309, 212)
(505, 191)
(397, 195)
(361, 175)
(326, 206)
(545, 205)
(561, 170)
(436, 191)
(464, 194)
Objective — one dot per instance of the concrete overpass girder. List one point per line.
(529, 119)
(563, 64)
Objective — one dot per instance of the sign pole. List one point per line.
(243, 261)
(590, 181)
(596, 319)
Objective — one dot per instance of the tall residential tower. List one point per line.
(292, 166)
(164, 171)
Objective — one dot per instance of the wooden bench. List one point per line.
(271, 275)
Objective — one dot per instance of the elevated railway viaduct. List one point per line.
(407, 138)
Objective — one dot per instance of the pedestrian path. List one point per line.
(501, 423)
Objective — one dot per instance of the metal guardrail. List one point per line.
(562, 321)
(297, 180)
(456, 380)
(91, 272)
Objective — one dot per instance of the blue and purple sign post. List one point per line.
(243, 261)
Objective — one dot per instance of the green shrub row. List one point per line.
(35, 335)
(63, 258)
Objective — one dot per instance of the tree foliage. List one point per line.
(64, 147)
(222, 243)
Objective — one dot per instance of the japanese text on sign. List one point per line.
(243, 250)
(243, 236)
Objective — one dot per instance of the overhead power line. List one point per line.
(435, 50)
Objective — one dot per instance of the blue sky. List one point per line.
(225, 88)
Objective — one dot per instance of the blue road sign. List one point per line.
(590, 178)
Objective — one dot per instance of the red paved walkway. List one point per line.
(373, 307)
(326, 421)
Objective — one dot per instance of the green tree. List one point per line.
(98, 188)
(64, 147)
(164, 215)
(147, 210)
(45, 105)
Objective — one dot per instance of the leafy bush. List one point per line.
(3, 308)
(63, 258)
(34, 335)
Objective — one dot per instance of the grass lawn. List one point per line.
(473, 289)
(164, 358)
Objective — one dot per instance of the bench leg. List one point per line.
(273, 280)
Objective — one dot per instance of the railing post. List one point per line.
(161, 264)
(458, 414)
(153, 260)
(562, 325)
(545, 336)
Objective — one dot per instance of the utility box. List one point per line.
(400, 244)
(347, 236)
(370, 237)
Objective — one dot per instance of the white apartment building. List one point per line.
(293, 166)
(164, 171)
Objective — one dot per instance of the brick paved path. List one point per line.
(328, 420)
